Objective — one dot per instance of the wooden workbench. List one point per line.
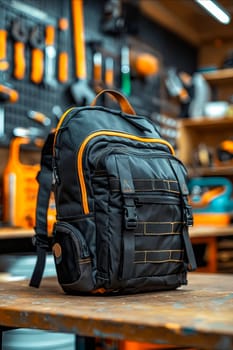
(209, 236)
(198, 315)
(15, 232)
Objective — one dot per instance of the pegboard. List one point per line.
(145, 94)
(40, 97)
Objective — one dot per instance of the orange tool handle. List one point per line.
(4, 65)
(227, 145)
(63, 59)
(109, 72)
(109, 78)
(63, 67)
(49, 35)
(39, 117)
(97, 67)
(97, 74)
(79, 39)
(3, 41)
(19, 60)
(15, 149)
(37, 68)
(63, 23)
(3, 50)
(12, 94)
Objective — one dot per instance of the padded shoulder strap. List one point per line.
(40, 239)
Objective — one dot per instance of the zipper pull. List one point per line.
(55, 176)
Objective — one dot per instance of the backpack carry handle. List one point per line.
(121, 99)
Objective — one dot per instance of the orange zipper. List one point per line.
(59, 125)
(90, 137)
(108, 133)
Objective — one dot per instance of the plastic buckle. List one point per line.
(40, 240)
(130, 218)
(188, 214)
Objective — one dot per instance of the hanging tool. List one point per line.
(113, 22)
(20, 36)
(97, 71)
(36, 41)
(39, 117)
(7, 93)
(3, 48)
(63, 59)
(144, 64)
(22, 9)
(50, 57)
(97, 65)
(57, 112)
(125, 71)
(109, 72)
(80, 90)
(30, 132)
(175, 85)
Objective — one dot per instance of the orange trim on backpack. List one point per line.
(64, 115)
(90, 137)
(108, 133)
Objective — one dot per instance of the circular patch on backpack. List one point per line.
(57, 251)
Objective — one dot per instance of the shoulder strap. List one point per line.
(40, 240)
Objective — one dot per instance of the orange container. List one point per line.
(131, 345)
(20, 189)
(213, 219)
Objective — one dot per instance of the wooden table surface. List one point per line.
(15, 232)
(199, 315)
(210, 231)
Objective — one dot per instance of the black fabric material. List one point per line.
(122, 205)
(130, 216)
(188, 219)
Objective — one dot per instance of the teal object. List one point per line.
(126, 83)
(219, 203)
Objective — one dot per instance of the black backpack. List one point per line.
(121, 202)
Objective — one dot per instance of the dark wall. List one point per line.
(174, 51)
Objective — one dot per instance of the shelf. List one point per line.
(209, 132)
(211, 171)
(10, 232)
(210, 231)
(219, 76)
(203, 122)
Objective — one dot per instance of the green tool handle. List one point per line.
(125, 71)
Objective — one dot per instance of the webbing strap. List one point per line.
(40, 239)
(130, 218)
(148, 185)
(187, 215)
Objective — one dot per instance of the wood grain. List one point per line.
(199, 314)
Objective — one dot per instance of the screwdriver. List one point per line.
(63, 61)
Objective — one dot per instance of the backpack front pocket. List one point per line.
(72, 259)
(140, 216)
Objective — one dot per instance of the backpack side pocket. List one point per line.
(72, 259)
